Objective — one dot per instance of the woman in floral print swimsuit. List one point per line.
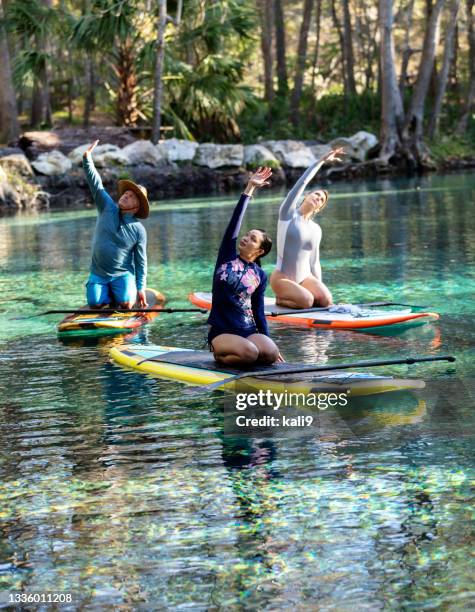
(238, 332)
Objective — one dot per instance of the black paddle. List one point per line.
(320, 368)
(326, 308)
(111, 310)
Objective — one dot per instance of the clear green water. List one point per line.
(125, 492)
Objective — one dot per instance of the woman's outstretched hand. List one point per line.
(258, 179)
(333, 154)
(91, 148)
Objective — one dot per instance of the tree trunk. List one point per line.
(453, 84)
(44, 76)
(70, 84)
(413, 124)
(179, 12)
(127, 114)
(348, 48)
(37, 104)
(301, 60)
(318, 20)
(392, 113)
(267, 19)
(280, 48)
(366, 29)
(89, 90)
(470, 100)
(444, 72)
(9, 128)
(407, 50)
(337, 24)
(158, 79)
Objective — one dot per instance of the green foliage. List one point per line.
(106, 21)
(32, 22)
(326, 118)
(30, 18)
(269, 163)
(452, 147)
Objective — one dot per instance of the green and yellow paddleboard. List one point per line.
(110, 323)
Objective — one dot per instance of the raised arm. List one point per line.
(99, 194)
(289, 205)
(227, 250)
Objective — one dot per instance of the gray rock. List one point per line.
(357, 146)
(103, 154)
(258, 155)
(319, 150)
(52, 163)
(111, 158)
(76, 154)
(4, 151)
(17, 162)
(144, 152)
(219, 156)
(179, 150)
(291, 153)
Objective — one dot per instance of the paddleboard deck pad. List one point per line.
(110, 323)
(360, 319)
(200, 368)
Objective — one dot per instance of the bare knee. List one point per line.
(245, 354)
(325, 300)
(126, 305)
(269, 355)
(306, 301)
(249, 353)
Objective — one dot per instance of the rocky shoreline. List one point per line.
(43, 170)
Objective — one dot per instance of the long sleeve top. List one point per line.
(119, 244)
(238, 285)
(298, 239)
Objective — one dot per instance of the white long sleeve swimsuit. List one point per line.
(298, 239)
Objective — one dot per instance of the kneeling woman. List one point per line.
(297, 279)
(238, 334)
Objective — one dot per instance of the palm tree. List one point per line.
(204, 69)
(34, 22)
(115, 28)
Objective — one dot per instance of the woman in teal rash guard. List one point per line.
(297, 279)
(119, 257)
(238, 332)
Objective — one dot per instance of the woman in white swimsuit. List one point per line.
(297, 279)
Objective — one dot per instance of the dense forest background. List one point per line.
(238, 70)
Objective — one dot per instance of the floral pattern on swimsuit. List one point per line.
(243, 280)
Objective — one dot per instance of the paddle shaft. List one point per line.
(338, 366)
(327, 308)
(114, 310)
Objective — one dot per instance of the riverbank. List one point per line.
(43, 169)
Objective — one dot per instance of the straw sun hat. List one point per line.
(140, 192)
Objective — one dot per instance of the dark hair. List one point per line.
(266, 245)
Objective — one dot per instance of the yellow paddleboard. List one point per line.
(200, 368)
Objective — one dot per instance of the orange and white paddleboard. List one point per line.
(362, 319)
